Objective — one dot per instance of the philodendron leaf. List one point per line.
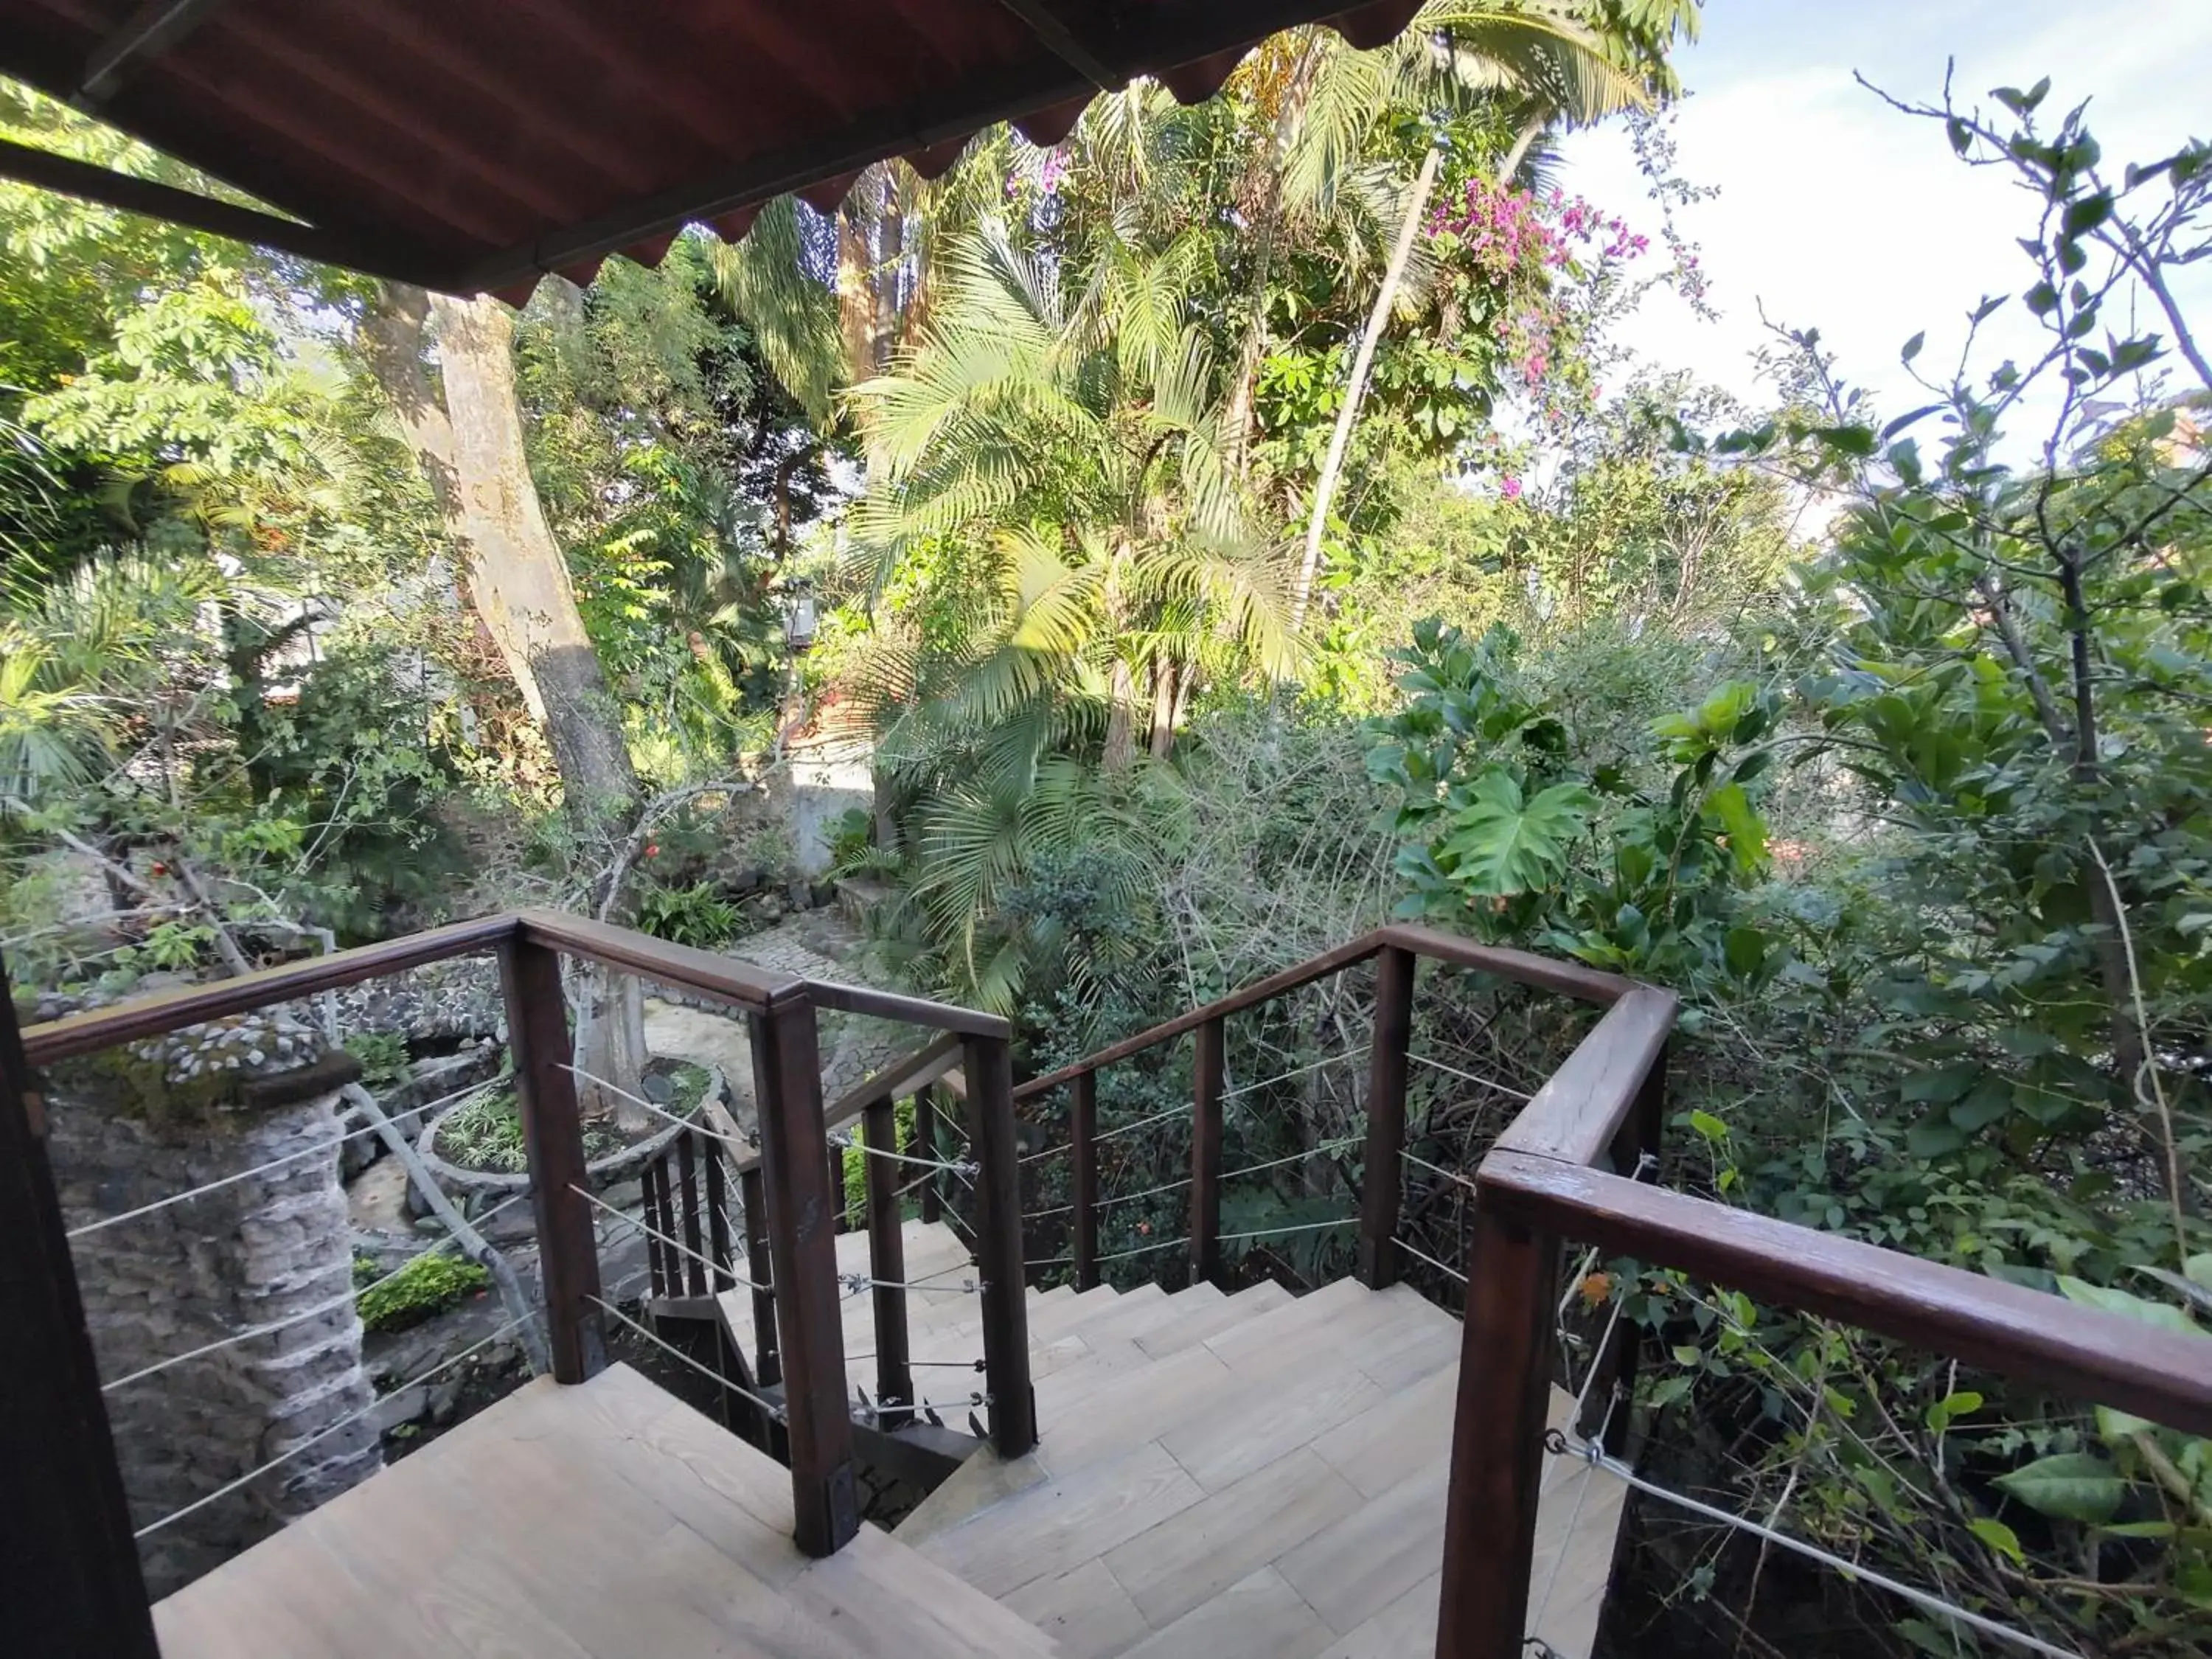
(1503, 844)
(2072, 1486)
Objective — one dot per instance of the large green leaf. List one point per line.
(1503, 844)
(2072, 1486)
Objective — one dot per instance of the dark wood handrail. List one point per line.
(916, 1069)
(169, 1011)
(704, 973)
(700, 972)
(1582, 1105)
(2083, 1352)
(1524, 967)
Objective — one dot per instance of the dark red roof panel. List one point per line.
(471, 144)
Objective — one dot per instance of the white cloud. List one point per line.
(1838, 212)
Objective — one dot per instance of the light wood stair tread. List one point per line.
(1249, 1475)
(598, 1521)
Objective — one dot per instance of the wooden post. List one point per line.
(925, 1146)
(70, 1581)
(718, 1217)
(1497, 1448)
(787, 1086)
(1207, 1070)
(768, 1363)
(839, 1221)
(553, 1138)
(989, 1067)
(695, 1238)
(1083, 1140)
(887, 1266)
(1613, 1366)
(1384, 1179)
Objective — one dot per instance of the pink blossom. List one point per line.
(1509, 488)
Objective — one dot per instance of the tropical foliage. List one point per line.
(1236, 524)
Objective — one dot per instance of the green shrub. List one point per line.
(422, 1290)
(383, 1057)
(695, 915)
(486, 1135)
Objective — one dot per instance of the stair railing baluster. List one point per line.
(1384, 1181)
(1083, 1158)
(924, 1145)
(987, 1064)
(695, 1265)
(718, 1216)
(887, 1266)
(752, 1192)
(1208, 1070)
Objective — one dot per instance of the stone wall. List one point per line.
(133, 1125)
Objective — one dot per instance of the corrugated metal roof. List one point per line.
(471, 144)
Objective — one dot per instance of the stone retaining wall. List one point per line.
(134, 1125)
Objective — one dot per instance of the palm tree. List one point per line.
(1099, 417)
(1059, 456)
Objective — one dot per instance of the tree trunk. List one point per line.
(395, 338)
(856, 305)
(518, 572)
(1266, 227)
(889, 269)
(1163, 706)
(1120, 719)
(469, 446)
(1339, 440)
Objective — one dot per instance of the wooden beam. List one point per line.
(1583, 1106)
(1497, 1440)
(887, 1266)
(68, 1567)
(391, 256)
(150, 30)
(702, 972)
(1061, 38)
(803, 1256)
(1083, 1175)
(1005, 1297)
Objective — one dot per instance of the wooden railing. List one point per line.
(1564, 1170)
(1396, 952)
(67, 1540)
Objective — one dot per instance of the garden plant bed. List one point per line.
(475, 1147)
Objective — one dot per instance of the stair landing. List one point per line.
(606, 1520)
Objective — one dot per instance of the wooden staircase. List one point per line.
(1218, 1475)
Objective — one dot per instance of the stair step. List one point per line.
(1202, 1323)
(1270, 1481)
(1073, 1378)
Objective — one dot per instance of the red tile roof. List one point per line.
(471, 144)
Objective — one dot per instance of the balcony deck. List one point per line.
(602, 1521)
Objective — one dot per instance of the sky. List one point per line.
(1836, 211)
